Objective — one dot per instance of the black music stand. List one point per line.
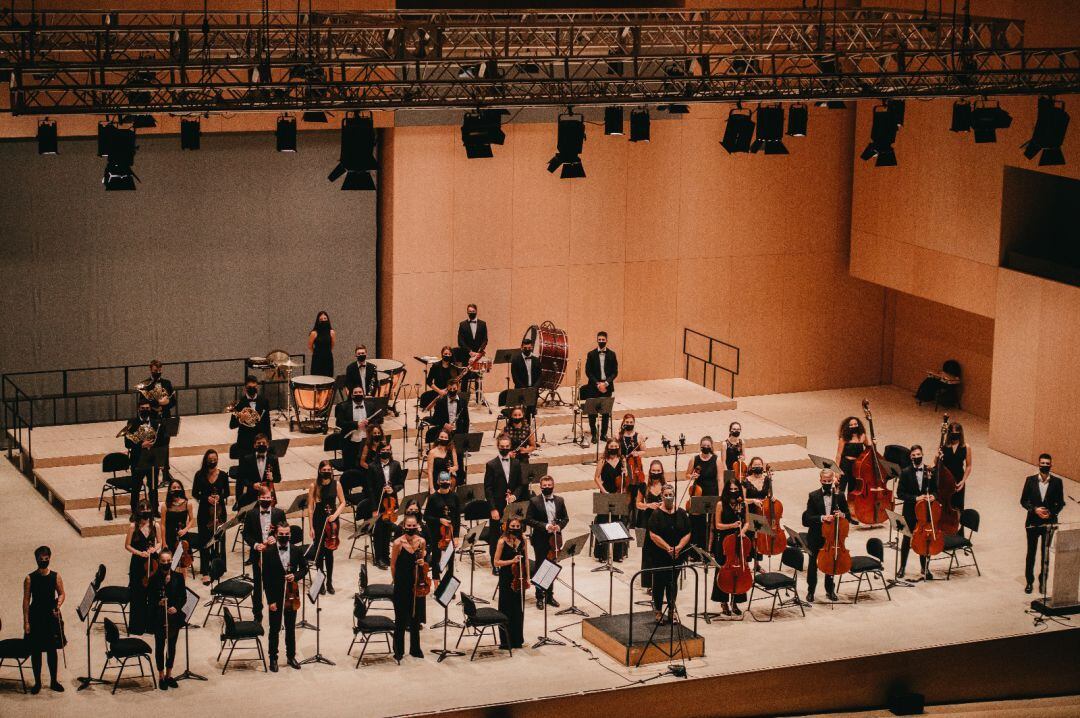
(444, 596)
(313, 596)
(897, 523)
(707, 561)
(241, 515)
(535, 472)
(505, 356)
(543, 579)
(468, 493)
(609, 535)
(465, 444)
(420, 497)
(615, 506)
(172, 426)
(190, 605)
(280, 447)
(516, 510)
(527, 397)
(469, 540)
(83, 611)
(571, 548)
(705, 506)
(598, 406)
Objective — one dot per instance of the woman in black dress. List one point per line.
(43, 595)
(733, 446)
(441, 458)
(669, 534)
(142, 543)
(703, 472)
(850, 443)
(729, 520)
(410, 611)
(326, 501)
(522, 439)
(756, 488)
(211, 489)
(177, 516)
(373, 443)
(956, 455)
(509, 551)
(321, 345)
(648, 500)
(607, 477)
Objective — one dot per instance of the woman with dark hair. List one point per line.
(373, 443)
(177, 516)
(326, 501)
(142, 543)
(211, 489)
(43, 595)
(956, 456)
(321, 345)
(509, 551)
(851, 441)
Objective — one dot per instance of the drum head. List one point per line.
(313, 380)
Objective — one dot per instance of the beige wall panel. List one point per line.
(598, 204)
(481, 232)
(1016, 364)
(649, 333)
(1057, 395)
(423, 219)
(653, 198)
(538, 294)
(709, 195)
(488, 289)
(597, 296)
(422, 321)
(541, 208)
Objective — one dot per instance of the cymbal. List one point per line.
(288, 363)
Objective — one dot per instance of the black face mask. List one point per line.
(517, 419)
(42, 562)
(358, 400)
(472, 315)
(442, 442)
(265, 503)
(260, 449)
(516, 532)
(757, 470)
(826, 489)
(446, 357)
(852, 430)
(916, 460)
(601, 345)
(361, 358)
(412, 531)
(174, 495)
(656, 476)
(628, 427)
(385, 455)
(444, 486)
(325, 478)
(211, 463)
(526, 352)
(144, 414)
(612, 452)
(283, 539)
(504, 453)
(252, 392)
(735, 433)
(1045, 469)
(954, 436)
(548, 490)
(706, 450)
(155, 375)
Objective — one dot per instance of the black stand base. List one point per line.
(87, 681)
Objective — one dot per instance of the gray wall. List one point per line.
(225, 252)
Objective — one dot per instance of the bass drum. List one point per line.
(552, 349)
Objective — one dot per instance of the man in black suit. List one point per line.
(917, 483)
(1043, 497)
(822, 506)
(547, 516)
(258, 526)
(282, 561)
(168, 403)
(254, 469)
(360, 373)
(245, 435)
(140, 473)
(385, 477)
(503, 484)
(452, 408)
(601, 368)
(351, 417)
(524, 367)
(472, 340)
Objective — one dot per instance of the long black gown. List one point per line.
(709, 483)
(322, 356)
(410, 612)
(44, 636)
(137, 608)
(954, 460)
(643, 522)
(510, 600)
(609, 476)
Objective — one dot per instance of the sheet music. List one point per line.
(614, 531)
(545, 575)
(190, 604)
(177, 555)
(86, 602)
(446, 557)
(317, 580)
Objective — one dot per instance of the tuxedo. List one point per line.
(245, 437)
(254, 533)
(525, 375)
(275, 568)
(251, 471)
(497, 481)
(378, 476)
(369, 377)
(913, 484)
(537, 517)
(346, 420)
(440, 415)
(149, 474)
(470, 339)
(1032, 498)
(600, 366)
(811, 519)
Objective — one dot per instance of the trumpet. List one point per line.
(247, 416)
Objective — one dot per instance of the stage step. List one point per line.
(650, 643)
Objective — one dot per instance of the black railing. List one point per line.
(17, 423)
(713, 355)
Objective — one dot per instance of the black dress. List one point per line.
(325, 506)
(709, 482)
(174, 520)
(731, 455)
(509, 599)
(44, 628)
(730, 512)
(410, 612)
(954, 461)
(519, 436)
(609, 476)
(137, 608)
(201, 490)
(671, 528)
(643, 517)
(322, 355)
(851, 451)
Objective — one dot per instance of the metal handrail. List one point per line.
(680, 568)
(710, 360)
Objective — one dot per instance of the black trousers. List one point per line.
(350, 454)
(256, 577)
(403, 621)
(380, 536)
(494, 532)
(1035, 535)
(140, 478)
(35, 662)
(212, 548)
(290, 633)
(165, 646)
(589, 391)
(664, 584)
(812, 572)
(325, 563)
(905, 549)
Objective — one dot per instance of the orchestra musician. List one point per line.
(957, 457)
(504, 483)
(258, 526)
(524, 367)
(253, 398)
(326, 501)
(510, 550)
(385, 478)
(852, 440)
(410, 610)
(648, 498)
(472, 341)
(141, 542)
(43, 597)
(142, 473)
(165, 612)
(351, 417)
(257, 468)
(168, 402)
(1043, 498)
(210, 488)
(703, 476)
(547, 517)
(729, 519)
(283, 562)
(361, 373)
(669, 534)
(917, 483)
(734, 447)
(177, 517)
(443, 509)
(756, 486)
(321, 341)
(823, 505)
(521, 435)
(441, 458)
(601, 368)
(608, 474)
(452, 408)
(440, 373)
(369, 452)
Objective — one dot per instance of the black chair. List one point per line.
(773, 582)
(369, 593)
(118, 651)
(480, 620)
(122, 483)
(332, 442)
(956, 543)
(865, 568)
(119, 596)
(233, 632)
(235, 452)
(15, 649)
(949, 394)
(365, 626)
(233, 591)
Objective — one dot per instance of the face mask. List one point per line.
(385, 456)
(358, 399)
(1044, 469)
(853, 430)
(758, 470)
(526, 352)
(252, 392)
(735, 433)
(446, 357)
(212, 463)
(628, 427)
(601, 344)
(517, 419)
(283, 539)
(612, 452)
(443, 442)
(669, 501)
(265, 503)
(325, 477)
(656, 476)
(504, 453)
(706, 450)
(260, 449)
(916, 460)
(155, 375)
(412, 531)
(174, 495)
(42, 563)
(144, 414)
(361, 358)
(444, 486)
(954, 436)
(515, 532)
(826, 488)
(548, 490)
(472, 315)
(451, 394)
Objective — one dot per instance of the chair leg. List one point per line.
(458, 643)
(479, 637)
(881, 577)
(952, 560)
(150, 665)
(22, 679)
(119, 675)
(972, 553)
(232, 647)
(262, 655)
(858, 587)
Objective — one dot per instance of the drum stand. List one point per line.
(552, 398)
(478, 392)
(285, 414)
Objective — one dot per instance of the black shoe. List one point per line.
(273, 665)
(56, 686)
(927, 576)
(724, 609)
(258, 618)
(1027, 587)
(552, 602)
(539, 603)
(293, 663)
(809, 596)
(172, 682)
(736, 610)
(900, 573)
(330, 588)
(1042, 586)
(163, 684)
(831, 595)
(322, 590)
(417, 654)
(35, 689)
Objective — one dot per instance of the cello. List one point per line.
(927, 539)
(735, 576)
(833, 558)
(871, 495)
(946, 487)
(773, 511)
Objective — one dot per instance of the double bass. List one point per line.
(871, 495)
(735, 576)
(773, 511)
(946, 487)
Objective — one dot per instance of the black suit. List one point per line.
(811, 519)
(253, 535)
(139, 474)
(370, 378)
(343, 417)
(521, 375)
(382, 530)
(273, 583)
(248, 474)
(245, 437)
(590, 390)
(440, 416)
(908, 490)
(1031, 499)
(536, 516)
(496, 486)
(467, 341)
(149, 383)
(165, 632)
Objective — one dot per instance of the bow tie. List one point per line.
(550, 499)
(264, 513)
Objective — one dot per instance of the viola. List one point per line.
(871, 495)
(388, 508)
(186, 557)
(446, 535)
(635, 472)
(927, 539)
(735, 576)
(291, 600)
(694, 490)
(740, 469)
(946, 487)
(331, 534)
(834, 559)
(773, 511)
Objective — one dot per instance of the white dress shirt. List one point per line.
(603, 364)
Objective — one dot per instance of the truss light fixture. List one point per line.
(639, 125)
(832, 104)
(675, 109)
(613, 120)
(770, 130)
(190, 133)
(46, 137)
(357, 159)
(571, 139)
(285, 134)
(961, 116)
(986, 120)
(797, 118)
(882, 135)
(1049, 133)
(480, 130)
(897, 108)
(739, 131)
(315, 116)
(120, 150)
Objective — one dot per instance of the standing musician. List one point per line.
(362, 374)
(601, 368)
(258, 526)
(410, 610)
(957, 457)
(321, 340)
(703, 479)
(755, 495)
(452, 408)
(648, 498)
(43, 596)
(155, 384)
(440, 373)
(734, 448)
(822, 506)
(608, 474)
(385, 478)
(504, 483)
(442, 513)
(167, 595)
(211, 489)
(669, 533)
(472, 341)
(141, 542)
(1043, 497)
(351, 417)
(630, 444)
(522, 437)
(257, 468)
(852, 440)
(547, 517)
(917, 483)
(146, 418)
(177, 517)
(510, 550)
(326, 501)
(369, 452)
(253, 398)
(524, 367)
(729, 519)
(441, 457)
(283, 562)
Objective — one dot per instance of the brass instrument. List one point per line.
(155, 393)
(138, 435)
(247, 416)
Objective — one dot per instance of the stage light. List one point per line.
(961, 116)
(797, 118)
(46, 137)
(832, 104)
(120, 150)
(357, 158)
(986, 120)
(1049, 132)
(315, 116)
(613, 121)
(639, 125)
(103, 130)
(571, 139)
(770, 130)
(190, 132)
(897, 108)
(739, 131)
(882, 136)
(285, 134)
(675, 109)
(480, 130)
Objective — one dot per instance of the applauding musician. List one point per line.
(283, 563)
(547, 517)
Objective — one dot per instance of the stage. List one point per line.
(932, 616)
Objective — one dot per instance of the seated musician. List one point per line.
(443, 509)
(601, 368)
(282, 562)
(472, 341)
(361, 373)
(547, 517)
(351, 417)
(440, 373)
(253, 398)
(155, 381)
(257, 468)
(917, 483)
(522, 437)
(386, 478)
(823, 506)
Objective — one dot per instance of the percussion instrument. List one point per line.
(552, 349)
(261, 366)
(282, 362)
(314, 395)
(480, 363)
(391, 373)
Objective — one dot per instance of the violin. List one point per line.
(388, 508)
(520, 580)
(446, 535)
(946, 487)
(735, 576)
(634, 470)
(291, 600)
(422, 578)
(150, 557)
(186, 557)
(834, 559)
(695, 487)
(871, 495)
(740, 469)
(773, 511)
(331, 534)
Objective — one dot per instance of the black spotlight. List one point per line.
(286, 134)
(139, 122)
(480, 130)
(189, 134)
(357, 158)
(675, 109)
(986, 120)
(639, 125)
(570, 141)
(739, 131)
(832, 104)
(120, 150)
(897, 108)
(961, 116)
(103, 130)
(613, 120)
(796, 120)
(315, 116)
(770, 130)
(46, 137)
(882, 136)
(1049, 133)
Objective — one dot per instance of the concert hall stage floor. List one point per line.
(937, 615)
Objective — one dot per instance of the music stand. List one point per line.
(705, 506)
(172, 426)
(469, 540)
(609, 535)
(467, 493)
(313, 596)
(280, 447)
(505, 356)
(240, 516)
(444, 596)
(83, 611)
(534, 472)
(614, 506)
(190, 604)
(597, 406)
(420, 498)
(544, 578)
(822, 463)
(707, 561)
(897, 523)
(571, 548)
(892, 471)
(516, 510)
(526, 397)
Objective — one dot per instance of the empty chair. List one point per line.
(332, 442)
(773, 582)
(898, 454)
(369, 593)
(233, 632)
(957, 543)
(865, 568)
(233, 591)
(116, 463)
(480, 620)
(17, 650)
(118, 651)
(366, 626)
(119, 596)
